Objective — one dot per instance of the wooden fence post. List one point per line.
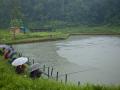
(52, 72)
(33, 61)
(28, 60)
(43, 68)
(65, 78)
(57, 77)
(48, 72)
(78, 83)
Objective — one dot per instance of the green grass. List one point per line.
(92, 29)
(7, 37)
(63, 33)
(9, 80)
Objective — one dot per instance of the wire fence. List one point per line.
(50, 72)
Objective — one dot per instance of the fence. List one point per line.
(50, 71)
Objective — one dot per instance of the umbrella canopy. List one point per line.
(34, 67)
(19, 61)
(4, 46)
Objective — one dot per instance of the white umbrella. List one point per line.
(19, 61)
(4, 46)
(34, 67)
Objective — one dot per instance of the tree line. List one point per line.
(60, 12)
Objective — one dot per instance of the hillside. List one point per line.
(38, 13)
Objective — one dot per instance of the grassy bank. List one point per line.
(9, 80)
(92, 30)
(60, 34)
(7, 37)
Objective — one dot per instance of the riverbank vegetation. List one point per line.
(59, 34)
(91, 30)
(9, 80)
(8, 38)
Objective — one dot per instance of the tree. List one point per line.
(15, 16)
(40, 12)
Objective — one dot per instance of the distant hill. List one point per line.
(69, 12)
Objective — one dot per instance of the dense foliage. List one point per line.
(60, 12)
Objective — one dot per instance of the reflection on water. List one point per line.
(93, 59)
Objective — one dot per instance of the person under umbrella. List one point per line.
(19, 63)
(3, 49)
(20, 69)
(7, 50)
(10, 55)
(6, 54)
(35, 72)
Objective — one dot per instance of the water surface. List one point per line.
(94, 59)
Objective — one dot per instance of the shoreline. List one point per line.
(34, 40)
(94, 34)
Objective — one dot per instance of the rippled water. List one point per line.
(94, 59)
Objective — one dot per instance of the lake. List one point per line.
(85, 58)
